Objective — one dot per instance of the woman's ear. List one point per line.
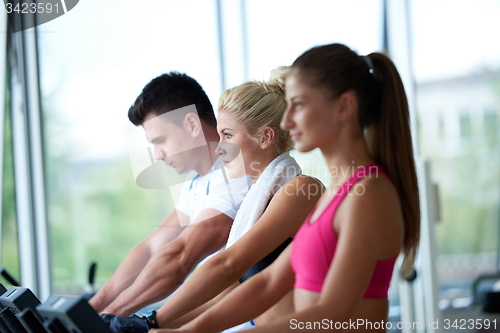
(267, 137)
(347, 105)
(192, 124)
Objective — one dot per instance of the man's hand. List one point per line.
(106, 317)
(169, 267)
(132, 324)
(133, 265)
(166, 330)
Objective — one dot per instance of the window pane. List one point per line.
(94, 61)
(286, 29)
(9, 243)
(458, 103)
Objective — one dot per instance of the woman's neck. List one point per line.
(258, 167)
(345, 158)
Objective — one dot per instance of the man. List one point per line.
(178, 119)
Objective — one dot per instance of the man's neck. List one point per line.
(206, 161)
(208, 156)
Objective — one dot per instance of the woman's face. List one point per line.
(309, 116)
(237, 149)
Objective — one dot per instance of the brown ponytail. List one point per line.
(382, 113)
(391, 146)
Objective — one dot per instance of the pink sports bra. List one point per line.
(314, 246)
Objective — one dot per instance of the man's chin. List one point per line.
(180, 169)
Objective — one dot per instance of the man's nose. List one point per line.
(159, 154)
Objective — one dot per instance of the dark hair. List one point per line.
(169, 92)
(383, 114)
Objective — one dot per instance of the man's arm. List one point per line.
(136, 260)
(169, 267)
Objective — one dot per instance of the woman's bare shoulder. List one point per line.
(304, 183)
(300, 192)
(373, 207)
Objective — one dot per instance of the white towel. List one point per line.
(278, 172)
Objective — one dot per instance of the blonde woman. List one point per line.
(252, 143)
(339, 265)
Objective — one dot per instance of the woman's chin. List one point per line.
(303, 148)
(234, 172)
(300, 148)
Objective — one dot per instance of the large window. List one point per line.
(457, 69)
(94, 61)
(280, 31)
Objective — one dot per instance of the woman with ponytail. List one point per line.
(340, 263)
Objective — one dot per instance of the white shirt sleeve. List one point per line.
(226, 193)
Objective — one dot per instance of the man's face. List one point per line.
(172, 143)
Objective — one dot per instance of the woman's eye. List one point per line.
(227, 135)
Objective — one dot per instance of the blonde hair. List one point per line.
(257, 104)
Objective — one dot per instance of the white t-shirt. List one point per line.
(214, 190)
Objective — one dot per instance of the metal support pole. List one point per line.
(244, 39)
(3, 59)
(29, 163)
(220, 35)
(423, 293)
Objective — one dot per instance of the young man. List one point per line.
(179, 121)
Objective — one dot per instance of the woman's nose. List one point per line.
(220, 150)
(286, 122)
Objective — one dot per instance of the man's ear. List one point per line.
(267, 137)
(347, 106)
(192, 124)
